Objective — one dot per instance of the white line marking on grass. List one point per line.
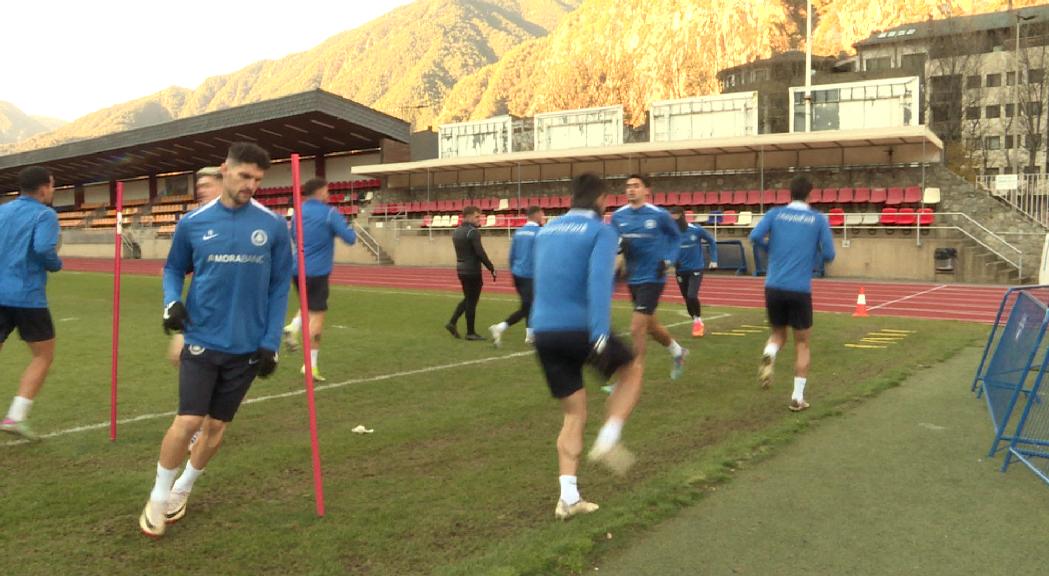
(379, 378)
(70, 319)
(905, 298)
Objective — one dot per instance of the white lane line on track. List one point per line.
(915, 295)
(379, 378)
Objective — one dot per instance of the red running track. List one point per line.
(910, 300)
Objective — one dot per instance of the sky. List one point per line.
(65, 58)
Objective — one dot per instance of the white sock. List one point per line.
(697, 319)
(675, 349)
(609, 433)
(501, 327)
(313, 357)
(162, 487)
(799, 389)
(771, 350)
(189, 476)
(19, 409)
(569, 490)
(296, 323)
(529, 334)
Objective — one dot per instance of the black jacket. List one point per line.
(469, 254)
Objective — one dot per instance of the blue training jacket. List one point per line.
(648, 236)
(28, 237)
(241, 261)
(522, 250)
(797, 236)
(691, 258)
(322, 224)
(575, 258)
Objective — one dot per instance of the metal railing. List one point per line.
(1030, 196)
(368, 241)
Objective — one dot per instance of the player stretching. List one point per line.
(574, 269)
(797, 237)
(690, 265)
(240, 255)
(469, 256)
(321, 225)
(522, 266)
(28, 251)
(650, 242)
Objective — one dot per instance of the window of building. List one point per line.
(992, 171)
(1034, 141)
(992, 142)
(878, 64)
(1010, 78)
(994, 80)
(973, 82)
(1010, 110)
(1036, 76)
(972, 113)
(1033, 108)
(993, 112)
(1009, 142)
(916, 62)
(940, 112)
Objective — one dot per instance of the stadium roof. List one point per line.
(1005, 19)
(309, 123)
(873, 147)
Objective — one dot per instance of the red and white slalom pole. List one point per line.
(118, 246)
(304, 311)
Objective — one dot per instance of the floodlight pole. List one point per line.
(118, 245)
(808, 66)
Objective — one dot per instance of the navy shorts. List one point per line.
(317, 290)
(213, 383)
(34, 324)
(646, 297)
(563, 355)
(786, 308)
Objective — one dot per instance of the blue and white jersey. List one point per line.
(28, 237)
(574, 274)
(322, 224)
(797, 237)
(522, 256)
(648, 237)
(691, 258)
(241, 261)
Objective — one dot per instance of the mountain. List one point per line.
(16, 125)
(402, 63)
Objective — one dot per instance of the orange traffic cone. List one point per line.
(861, 305)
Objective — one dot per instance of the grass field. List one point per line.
(460, 474)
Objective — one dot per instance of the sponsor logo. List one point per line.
(563, 228)
(211, 234)
(797, 218)
(196, 349)
(237, 258)
(650, 224)
(259, 237)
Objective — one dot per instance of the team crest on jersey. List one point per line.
(650, 224)
(259, 237)
(196, 349)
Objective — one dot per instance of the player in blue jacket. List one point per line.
(522, 267)
(28, 251)
(650, 242)
(322, 225)
(572, 318)
(796, 237)
(240, 255)
(690, 265)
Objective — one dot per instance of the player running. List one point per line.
(574, 269)
(321, 224)
(690, 265)
(522, 266)
(469, 256)
(28, 251)
(797, 236)
(240, 254)
(650, 242)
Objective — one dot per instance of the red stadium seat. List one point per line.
(544, 202)
(729, 218)
(836, 217)
(566, 201)
(782, 196)
(458, 205)
(514, 203)
(906, 217)
(724, 198)
(739, 198)
(888, 216)
(768, 197)
(711, 198)
(845, 196)
(925, 217)
(753, 197)
(894, 197)
(878, 196)
(816, 196)
(660, 199)
(861, 196)
(673, 199)
(427, 220)
(912, 195)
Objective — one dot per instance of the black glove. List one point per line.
(175, 318)
(661, 271)
(267, 361)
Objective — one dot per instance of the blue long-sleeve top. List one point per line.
(241, 261)
(28, 240)
(522, 253)
(322, 224)
(649, 237)
(796, 236)
(691, 258)
(574, 269)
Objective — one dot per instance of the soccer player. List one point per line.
(795, 236)
(574, 271)
(522, 265)
(321, 224)
(28, 251)
(690, 265)
(650, 242)
(469, 256)
(208, 187)
(240, 254)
